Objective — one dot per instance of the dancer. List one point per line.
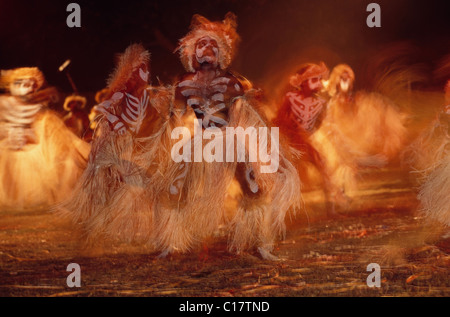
(76, 119)
(40, 159)
(432, 145)
(299, 118)
(380, 126)
(359, 130)
(435, 190)
(114, 162)
(212, 99)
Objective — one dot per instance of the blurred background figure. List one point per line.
(432, 144)
(434, 192)
(76, 119)
(300, 117)
(40, 159)
(360, 130)
(370, 123)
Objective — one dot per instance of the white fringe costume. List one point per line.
(133, 190)
(433, 158)
(435, 193)
(40, 159)
(197, 208)
(430, 147)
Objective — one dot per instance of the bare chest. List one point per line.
(210, 100)
(306, 110)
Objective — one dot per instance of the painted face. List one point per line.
(315, 83)
(344, 83)
(207, 51)
(22, 87)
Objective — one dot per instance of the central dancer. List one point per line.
(212, 98)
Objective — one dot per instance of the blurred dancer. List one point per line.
(369, 123)
(435, 191)
(40, 159)
(300, 116)
(76, 119)
(359, 130)
(432, 145)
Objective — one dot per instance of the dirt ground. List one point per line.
(319, 256)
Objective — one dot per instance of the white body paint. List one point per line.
(206, 101)
(17, 119)
(306, 110)
(134, 109)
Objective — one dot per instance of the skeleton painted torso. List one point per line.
(305, 111)
(210, 100)
(16, 119)
(126, 109)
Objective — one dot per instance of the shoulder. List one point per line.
(291, 94)
(293, 97)
(184, 82)
(184, 78)
(235, 84)
(8, 101)
(239, 80)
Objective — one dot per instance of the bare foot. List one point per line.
(332, 213)
(266, 255)
(163, 254)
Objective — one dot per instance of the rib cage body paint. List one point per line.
(17, 121)
(210, 101)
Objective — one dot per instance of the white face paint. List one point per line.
(207, 51)
(315, 83)
(22, 87)
(344, 84)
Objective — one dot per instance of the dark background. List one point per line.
(276, 35)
